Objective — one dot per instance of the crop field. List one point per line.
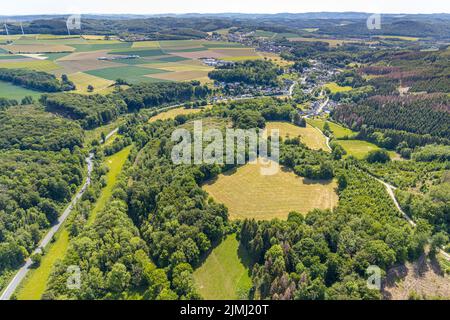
(337, 130)
(249, 194)
(10, 91)
(331, 42)
(83, 59)
(172, 113)
(146, 44)
(225, 273)
(37, 48)
(130, 74)
(334, 87)
(38, 65)
(309, 135)
(83, 80)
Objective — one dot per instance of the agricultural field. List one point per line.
(10, 91)
(96, 61)
(225, 273)
(249, 194)
(310, 136)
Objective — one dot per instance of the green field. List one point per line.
(100, 46)
(115, 164)
(10, 91)
(357, 148)
(140, 52)
(35, 284)
(131, 74)
(334, 87)
(225, 273)
(337, 130)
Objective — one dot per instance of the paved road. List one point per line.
(22, 272)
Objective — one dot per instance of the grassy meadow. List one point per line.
(249, 194)
(224, 275)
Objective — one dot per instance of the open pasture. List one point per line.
(225, 274)
(172, 113)
(249, 194)
(338, 131)
(310, 136)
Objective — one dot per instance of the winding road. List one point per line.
(23, 271)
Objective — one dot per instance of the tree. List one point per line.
(118, 279)
(90, 88)
(381, 156)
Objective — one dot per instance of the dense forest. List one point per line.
(94, 110)
(40, 169)
(31, 128)
(36, 80)
(255, 72)
(429, 114)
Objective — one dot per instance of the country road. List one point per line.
(23, 271)
(390, 190)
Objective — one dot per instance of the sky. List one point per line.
(20, 7)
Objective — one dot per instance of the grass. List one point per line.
(140, 52)
(334, 87)
(11, 57)
(83, 80)
(38, 65)
(241, 58)
(357, 148)
(249, 194)
(145, 44)
(100, 46)
(338, 131)
(309, 135)
(172, 113)
(95, 134)
(131, 74)
(398, 37)
(10, 91)
(36, 282)
(115, 164)
(225, 273)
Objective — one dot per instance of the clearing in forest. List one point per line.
(225, 273)
(248, 194)
(172, 113)
(310, 136)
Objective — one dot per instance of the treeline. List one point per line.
(325, 255)
(254, 72)
(94, 110)
(41, 167)
(90, 110)
(156, 229)
(36, 185)
(150, 95)
(36, 80)
(31, 128)
(416, 114)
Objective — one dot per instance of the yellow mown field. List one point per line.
(310, 136)
(249, 194)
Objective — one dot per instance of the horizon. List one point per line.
(180, 7)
